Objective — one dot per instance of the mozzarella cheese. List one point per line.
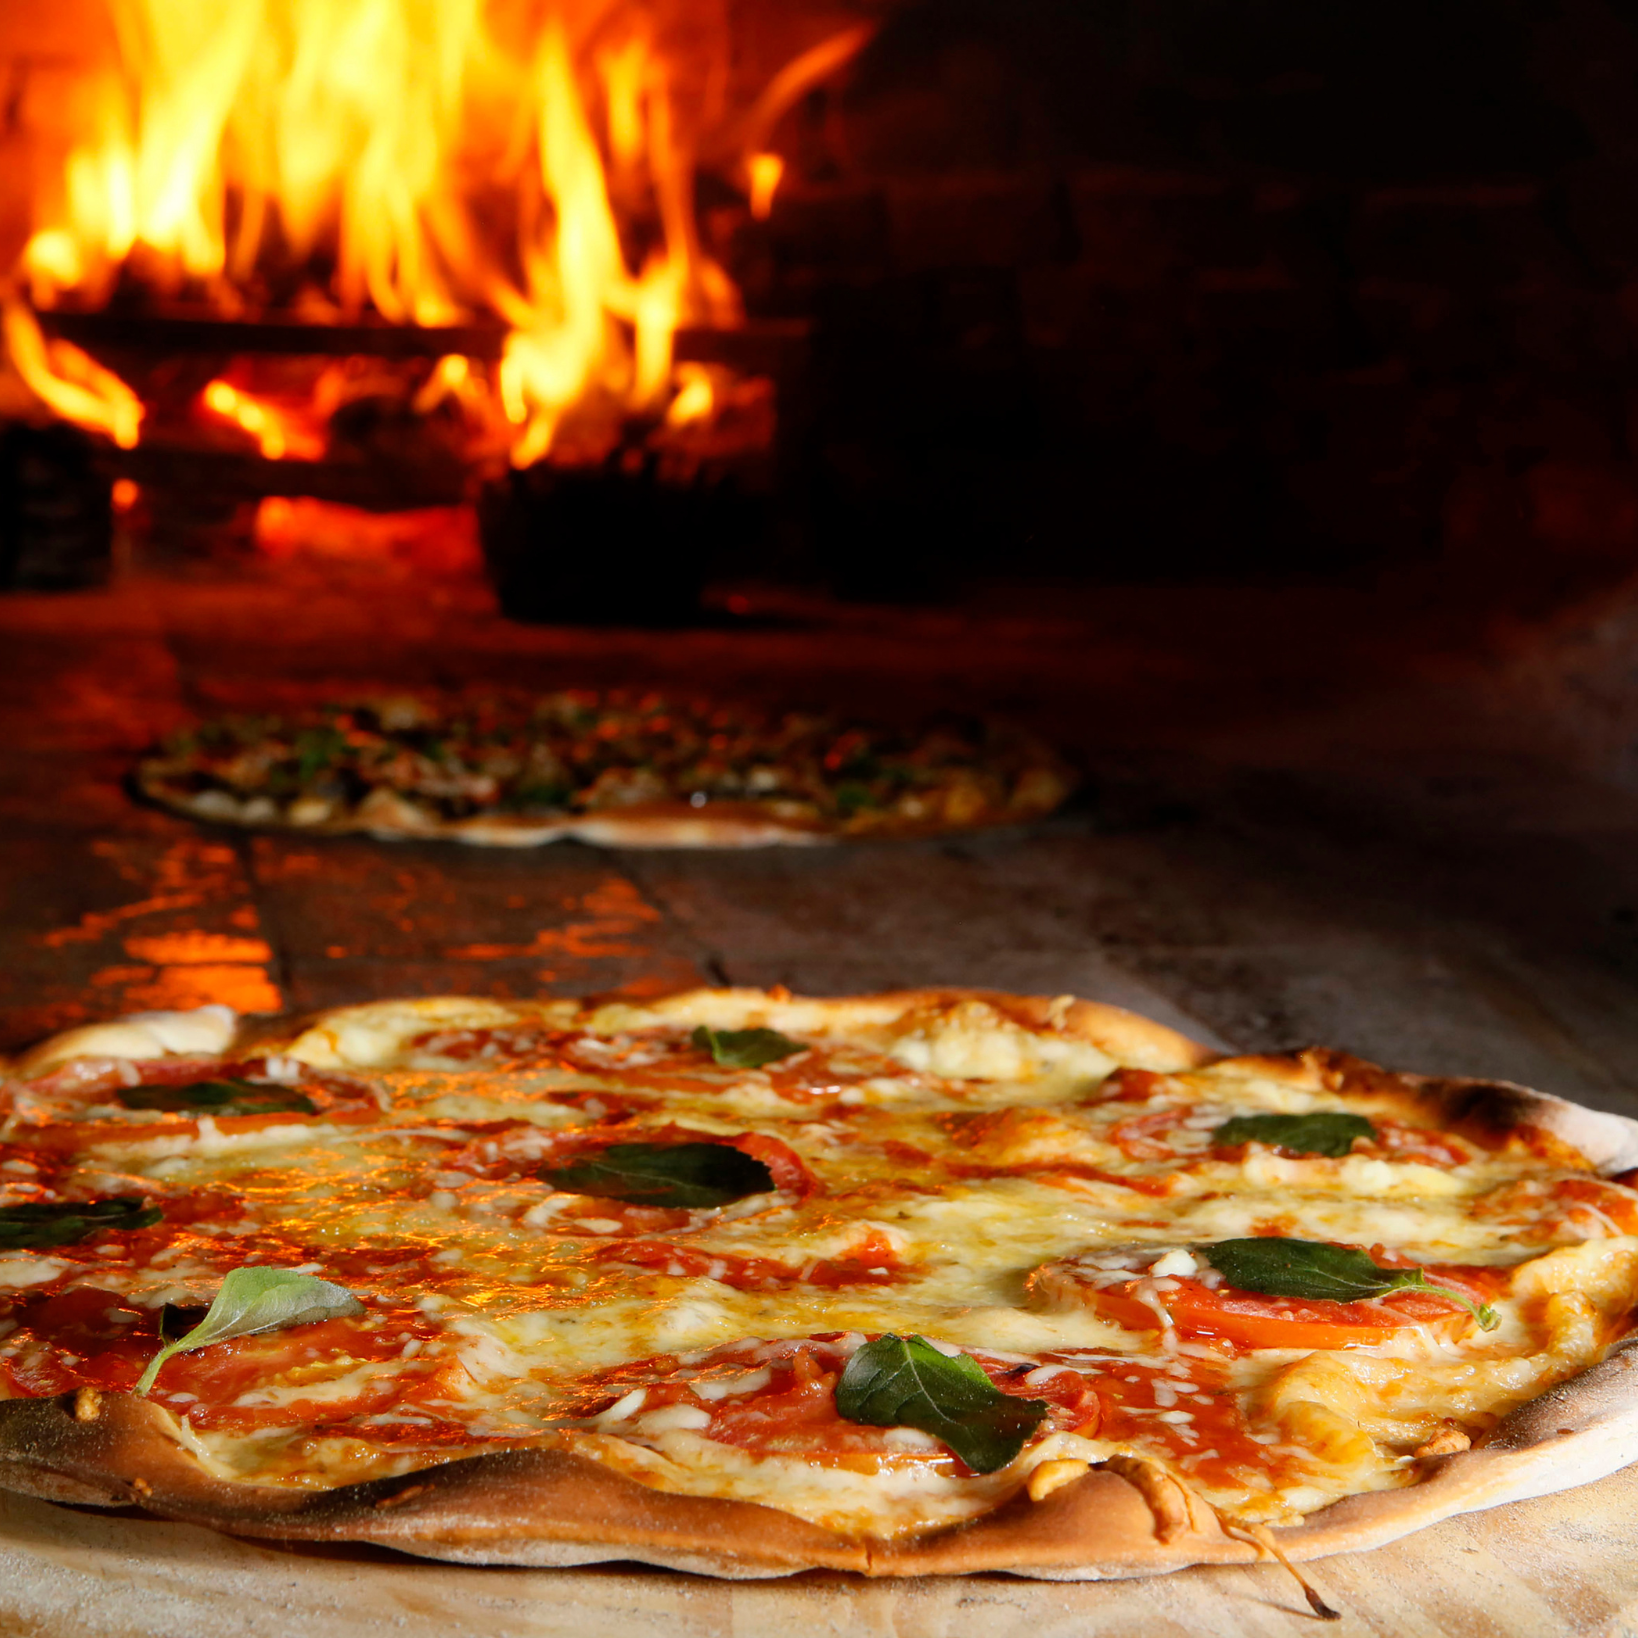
(939, 1155)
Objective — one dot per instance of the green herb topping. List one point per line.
(38, 1224)
(254, 1300)
(1325, 1132)
(1313, 1269)
(218, 1098)
(746, 1048)
(664, 1174)
(905, 1382)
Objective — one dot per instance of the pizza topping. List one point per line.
(526, 1196)
(1191, 1133)
(906, 1382)
(1309, 1268)
(66, 1223)
(745, 1048)
(1188, 1292)
(686, 1175)
(1578, 1207)
(1324, 1132)
(575, 753)
(97, 1100)
(872, 1262)
(226, 1097)
(906, 1402)
(254, 1300)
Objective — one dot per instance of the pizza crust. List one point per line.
(388, 818)
(394, 820)
(1127, 1037)
(547, 1506)
(550, 1508)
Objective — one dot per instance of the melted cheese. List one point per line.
(954, 1153)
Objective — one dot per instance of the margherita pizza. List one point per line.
(742, 1283)
(626, 770)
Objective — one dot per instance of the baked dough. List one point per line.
(560, 1497)
(616, 769)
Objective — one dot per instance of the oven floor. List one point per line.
(1278, 848)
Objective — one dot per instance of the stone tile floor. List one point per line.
(1277, 847)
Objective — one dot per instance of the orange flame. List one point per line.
(763, 173)
(71, 382)
(349, 155)
(277, 435)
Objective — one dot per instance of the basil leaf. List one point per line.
(315, 749)
(254, 1300)
(852, 798)
(905, 1382)
(67, 1223)
(1313, 1269)
(1325, 1132)
(218, 1098)
(529, 798)
(663, 1174)
(745, 1048)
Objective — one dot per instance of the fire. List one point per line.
(764, 173)
(71, 382)
(276, 435)
(428, 161)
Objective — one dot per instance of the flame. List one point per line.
(430, 161)
(696, 396)
(796, 79)
(585, 324)
(285, 115)
(763, 174)
(277, 434)
(452, 378)
(71, 382)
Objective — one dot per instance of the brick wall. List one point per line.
(1192, 287)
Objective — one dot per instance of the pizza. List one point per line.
(622, 769)
(745, 1284)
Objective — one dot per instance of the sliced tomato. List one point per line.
(1254, 1321)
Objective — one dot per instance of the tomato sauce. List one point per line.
(59, 1102)
(789, 1405)
(519, 1149)
(873, 1262)
(1164, 1135)
(658, 1062)
(1187, 1415)
(1583, 1206)
(1182, 1411)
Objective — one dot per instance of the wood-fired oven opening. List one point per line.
(900, 302)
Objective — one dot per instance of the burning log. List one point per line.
(168, 332)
